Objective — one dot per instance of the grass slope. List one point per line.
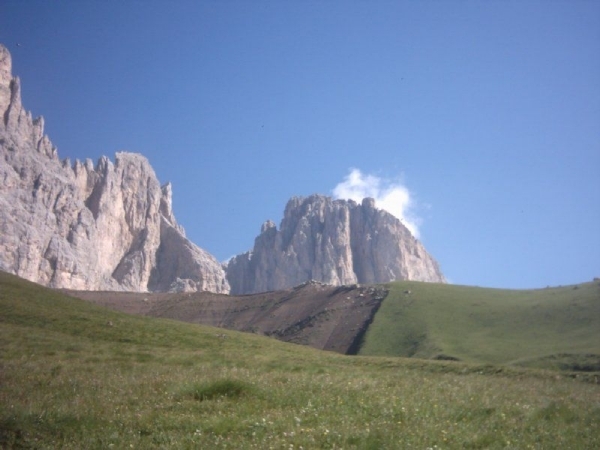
(77, 376)
(553, 328)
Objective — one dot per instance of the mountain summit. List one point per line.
(80, 226)
(333, 242)
(110, 226)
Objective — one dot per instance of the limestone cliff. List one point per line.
(331, 241)
(108, 226)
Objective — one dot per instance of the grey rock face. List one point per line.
(110, 226)
(103, 227)
(331, 241)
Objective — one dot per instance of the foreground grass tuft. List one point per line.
(218, 389)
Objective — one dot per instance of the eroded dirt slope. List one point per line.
(321, 316)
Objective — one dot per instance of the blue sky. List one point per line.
(482, 118)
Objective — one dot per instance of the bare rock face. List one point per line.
(110, 226)
(84, 226)
(334, 242)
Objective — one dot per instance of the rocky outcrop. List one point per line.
(108, 226)
(331, 241)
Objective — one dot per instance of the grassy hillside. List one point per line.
(77, 376)
(554, 327)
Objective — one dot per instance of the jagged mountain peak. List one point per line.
(5, 66)
(331, 241)
(110, 226)
(80, 226)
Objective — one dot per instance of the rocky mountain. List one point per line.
(337, 242)
(80, 226)
(110, 226)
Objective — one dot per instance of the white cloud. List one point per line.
(389, 195)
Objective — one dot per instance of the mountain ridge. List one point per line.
(110, 226)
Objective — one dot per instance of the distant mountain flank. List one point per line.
(110, 226)
(332, 318)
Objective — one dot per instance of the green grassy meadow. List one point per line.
(556, 328)
(76, 376)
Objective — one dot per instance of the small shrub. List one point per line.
(221, 388)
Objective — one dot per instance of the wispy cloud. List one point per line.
(390, 195)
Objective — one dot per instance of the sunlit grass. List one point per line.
(130, 382)
(549, 328)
